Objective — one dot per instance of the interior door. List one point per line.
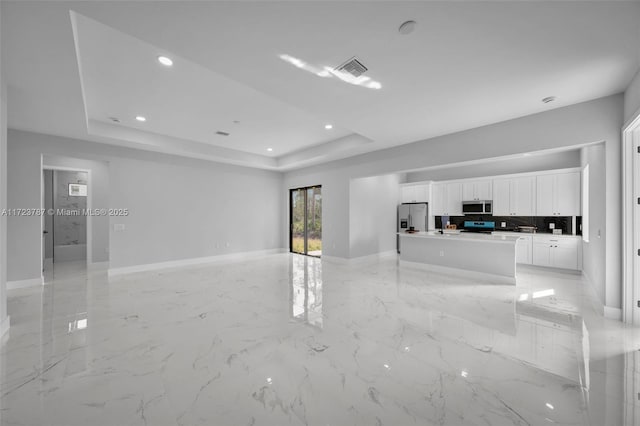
(305, 215)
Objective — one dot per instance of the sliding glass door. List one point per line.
(305, 216)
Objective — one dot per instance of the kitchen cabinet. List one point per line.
(414, 193)
(477, 190)
(557, 251)
(524, 250)
(558, 194)
(447, 199)
(514, 196)
(524, 246)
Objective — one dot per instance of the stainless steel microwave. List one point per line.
(477, 207)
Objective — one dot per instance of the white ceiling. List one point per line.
(467, 64)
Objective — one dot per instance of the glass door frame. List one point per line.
(305, 190)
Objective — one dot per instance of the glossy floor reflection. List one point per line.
(288, 339)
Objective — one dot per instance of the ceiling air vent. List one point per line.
(353, 66)
(222, 133)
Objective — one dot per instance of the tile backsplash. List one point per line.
(512, 222)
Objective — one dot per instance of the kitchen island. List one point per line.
(483, 256)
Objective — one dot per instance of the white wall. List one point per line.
(373, 214)
(180, 208)
(594, 251)
(632, 98)
(595, 121)
(335, 218)
(532, 163)
(4, 320)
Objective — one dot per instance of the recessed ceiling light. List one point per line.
(167, 62)
(548, 99)
(328, 126)
(141, 118)
(269, 149)
(407, 27)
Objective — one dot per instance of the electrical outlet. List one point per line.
(552, 226)
(503, 224)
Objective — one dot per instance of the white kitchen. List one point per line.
(526, 207)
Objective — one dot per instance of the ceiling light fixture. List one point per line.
(167, 62)
(407, 27)
(548, 99)
(269, 149)
(141, 118)
(328, 126)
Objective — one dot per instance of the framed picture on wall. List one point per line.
(77, 190)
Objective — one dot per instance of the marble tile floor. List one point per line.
(292, 340)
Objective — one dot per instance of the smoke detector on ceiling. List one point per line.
(549, 99)
(352, 67)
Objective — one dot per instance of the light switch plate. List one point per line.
(118, 227)
(552, 226)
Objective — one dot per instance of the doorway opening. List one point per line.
(65, 222)
(631, 222)
(305, 220)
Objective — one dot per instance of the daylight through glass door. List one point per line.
(306, 220)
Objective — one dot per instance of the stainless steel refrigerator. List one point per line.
(412, 215)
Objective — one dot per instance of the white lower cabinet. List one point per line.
(557, 251)
(524, 250)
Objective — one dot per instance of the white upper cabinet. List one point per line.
(447, 199)
(437, 199)
(414, 193)
(514, 196)
(477, 190)
(558, 194)
(568, 194)
(502, 197)
(523, 196)
(554, 193)
(454, 199)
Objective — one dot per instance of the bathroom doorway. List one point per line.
(65, 202)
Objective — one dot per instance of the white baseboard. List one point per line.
(375, 256)
(191, 262)
(477, 276)
(335, 259)
(360, 259)
(98, 266)
(33, 282)
(613, 313)
(4, 325)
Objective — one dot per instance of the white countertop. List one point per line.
(463, 236)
